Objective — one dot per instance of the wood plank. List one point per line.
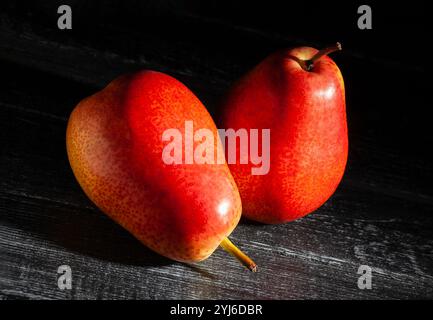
(316, 257)
(233, 25)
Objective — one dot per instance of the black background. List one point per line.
(381, 215)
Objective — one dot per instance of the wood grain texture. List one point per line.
(380, 216)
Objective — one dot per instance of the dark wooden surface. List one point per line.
(381, 215)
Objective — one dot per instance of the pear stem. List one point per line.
(309, 64)
(228, 246)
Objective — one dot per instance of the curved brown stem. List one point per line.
(309, 64)
(228, 246)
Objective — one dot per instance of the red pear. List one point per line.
(115, 148)
(299, 95)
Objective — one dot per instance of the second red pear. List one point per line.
(299, 95)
